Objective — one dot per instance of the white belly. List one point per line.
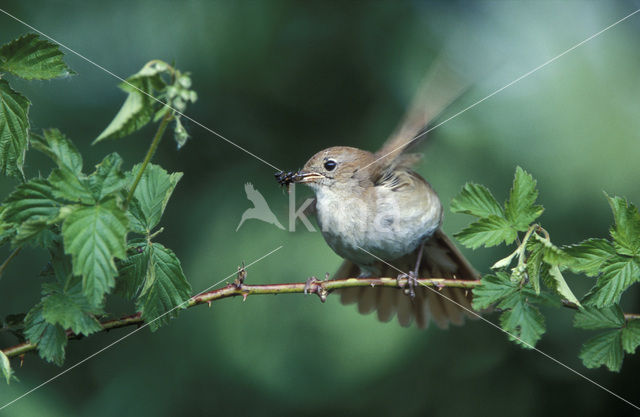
(386, 229)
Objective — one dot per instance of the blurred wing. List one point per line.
(439, 88)
(441, 259)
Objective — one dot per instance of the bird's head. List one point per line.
(336, 167)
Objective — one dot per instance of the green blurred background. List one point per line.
(285, 80)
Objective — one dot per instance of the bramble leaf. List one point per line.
(522, 320)
(599, 318)
(559, 285)
(69, 308)
(133, 269)
(165, 289)
(14, 126)
(60, 149)
(476, 200)
(493, 289)
(180, 134)
(604, 349)
(617, 275)
(94, 236)
(489, 231)
(151, 195)
(5, 366)
(631, 336)
(626, 232)
(139, 107)
(590, 255)
(32, 58)
(520, 209)
(50, 338)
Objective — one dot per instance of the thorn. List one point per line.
(242, 275)
(326, 276)
(209, 303)
(466, 292)
(244, 296)
(21, 360)
(322, 293)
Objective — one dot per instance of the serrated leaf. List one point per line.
(5, 366)
(560, 285)
(631, 336)
(133, 269)
(94, 236)
(166, 289)
(520, 210)
(493, 289)
(69, 308)
(524, 321)
(626, 231)
(107, 178)
(70, 186)
(489, 231)
(14, 125)
(476, 200)
(50, 338)
(139, 106)
(590, 255)
(30, 57)
(599, 318)
(552, 254)
(60, 149)
(604, 349)
(31, 207)
(151, 195)
(617, 275)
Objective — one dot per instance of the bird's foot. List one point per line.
(309, 284)
(409, 287)
(313, 285)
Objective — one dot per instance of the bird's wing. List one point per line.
(439, 88)
(441, 259)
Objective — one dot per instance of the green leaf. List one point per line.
(32, 209)
(604, 349)
(476, 200)
(60, 149)
(165, 290)
(152, 195)
(534, 264)
(14, 125)
(50, 338)
(107, 178)
(590, 255)
(133, 269)
(599, 318)
(70, 308)
(520, 210)
(489, 231)
(617, 275)
(560, 285)
(30, 57)
(70, 186)
(631, 336)
(492, 289)
(626, 232)
(5, 366)
(94, 235)
(524, 321)
(139, 107)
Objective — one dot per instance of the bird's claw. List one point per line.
(409, 287)
(309, 283)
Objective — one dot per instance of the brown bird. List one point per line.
(373, 206)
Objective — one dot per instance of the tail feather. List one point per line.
(441, 259)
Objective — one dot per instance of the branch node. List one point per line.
(242, 275)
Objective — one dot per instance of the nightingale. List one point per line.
(373, 206)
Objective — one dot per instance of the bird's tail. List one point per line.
(441, 259)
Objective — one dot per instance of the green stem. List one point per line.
(11, 256)
(150, 152)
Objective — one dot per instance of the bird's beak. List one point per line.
(302, 177)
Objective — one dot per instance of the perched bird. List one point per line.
(373, 205)
(260, 209)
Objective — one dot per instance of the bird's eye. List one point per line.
(330, 165)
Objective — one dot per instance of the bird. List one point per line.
(382, 217)
(260, 209)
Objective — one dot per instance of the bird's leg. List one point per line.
(412, 277)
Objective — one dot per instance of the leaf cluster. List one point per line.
(537, 275)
